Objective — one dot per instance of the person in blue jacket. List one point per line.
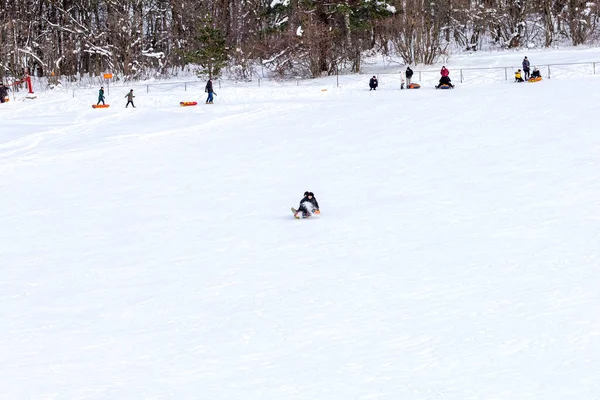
(526, 68)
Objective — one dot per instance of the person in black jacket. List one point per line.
(373, 83)
(409, 74)
(3, 93)
(209, 89)
(445, 80)
(308, 206)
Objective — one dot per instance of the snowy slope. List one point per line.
(150, 253)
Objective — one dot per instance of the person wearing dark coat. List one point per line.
(536, 73)
(409, 75)
(308, 206)
(445, 80)
(373, 83)
(526, 68)
(209, 89)
(130, 97)
(3, 93)
(100, 96)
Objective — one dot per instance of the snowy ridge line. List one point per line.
(494, 74)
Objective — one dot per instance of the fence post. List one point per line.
(505, 74)
(259, 81)
(594, 68)
(337, 77)
(461, 76)
(548, 71)
(185, 86)
(147, 88)
(420, 80)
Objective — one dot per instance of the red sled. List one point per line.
(100, 105)
(188, 103)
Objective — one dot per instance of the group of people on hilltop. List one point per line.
(207, 89)
(445, 76)
(525, 75)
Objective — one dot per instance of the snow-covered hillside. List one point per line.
(150, 253)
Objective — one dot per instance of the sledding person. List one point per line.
(445, 80)
(518, 77)
(409, 75)
(373, 83)
(130, 97)
(100, 95)
(526, 67)
(308, 205)
(536, 73)
(209, 89)
(444, 71)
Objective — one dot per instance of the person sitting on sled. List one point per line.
(518, 76)
(308, 205)
(445, 80)
(536, 73)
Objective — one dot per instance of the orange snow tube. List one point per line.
(100, 105)
(414, 86)
(535, 79)
(188, 103)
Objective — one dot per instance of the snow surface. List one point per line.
(150, 253)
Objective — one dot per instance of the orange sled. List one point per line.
(188, 103)
(100, 105)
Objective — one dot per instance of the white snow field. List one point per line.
(150, 253)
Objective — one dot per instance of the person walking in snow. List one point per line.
(209, 89)
(409, 75)
(100, 96)
(373, 83)
(526, 68)
(308, 205)
(130, 97)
